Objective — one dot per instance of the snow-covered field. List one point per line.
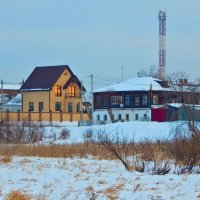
(137, 130)
(88, 178)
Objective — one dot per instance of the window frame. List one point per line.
(58, 90)
(58, 106)
(116, 99)
(31, 106)
(40, 106)
(72, 90)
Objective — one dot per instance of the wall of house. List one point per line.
(140, 114)
(73, 100)
(53, 98)
(65, 98)
(36, 97)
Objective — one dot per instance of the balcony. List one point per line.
(74, 95)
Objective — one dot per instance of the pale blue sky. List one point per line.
(96, 36)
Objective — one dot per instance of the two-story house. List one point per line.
(52, 89)
(130, 100)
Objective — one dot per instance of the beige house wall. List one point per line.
(36, 97)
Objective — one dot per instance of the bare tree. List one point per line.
(151, 72)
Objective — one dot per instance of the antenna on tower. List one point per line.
(162, 45)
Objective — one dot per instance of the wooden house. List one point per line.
(131, 100)
(52, 89)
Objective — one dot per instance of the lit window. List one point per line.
(72, 91)
(58, 91)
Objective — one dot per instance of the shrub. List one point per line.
(88, 135)
(65, 134)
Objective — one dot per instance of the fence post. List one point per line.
(50, 116)
(71, 117)
(61, 116)
(7, 115)
(29, 116)
(18, 116)
(40, 116)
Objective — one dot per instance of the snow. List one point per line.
(89, 178)
(135, 84)
(11, 86)
(36, 89)
(136, 130)
(15, 101)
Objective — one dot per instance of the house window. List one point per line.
(31, 106)
(78, 107)
(98, 101)
(116, 100)
(58, 106)
(72, 91)
(155, 99)
(136, 117)
(105, 117)
(127, 117)
(145, 117)
(98, 117)
(41, 106)
(127, 100)
(137, 100)
(119, 117)
(58, 91)
(105, 101)
(144, 100)
(70, 107)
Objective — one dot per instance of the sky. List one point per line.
(97, 37)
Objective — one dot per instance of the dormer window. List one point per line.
(72, 91)
(58, 91)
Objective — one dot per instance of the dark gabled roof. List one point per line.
(74, 79)
(43, 78)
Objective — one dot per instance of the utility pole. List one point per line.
(92, 98)
(1, 99)
(122, 73)
(81, 102)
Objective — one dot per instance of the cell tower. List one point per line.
(162, 45)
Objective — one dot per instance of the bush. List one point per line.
(20, 132)
(65, 134)
(88, 135)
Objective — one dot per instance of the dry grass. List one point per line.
(18, 195)
(111, 193)
(90, 189)
(57, 151)
(5, 159)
